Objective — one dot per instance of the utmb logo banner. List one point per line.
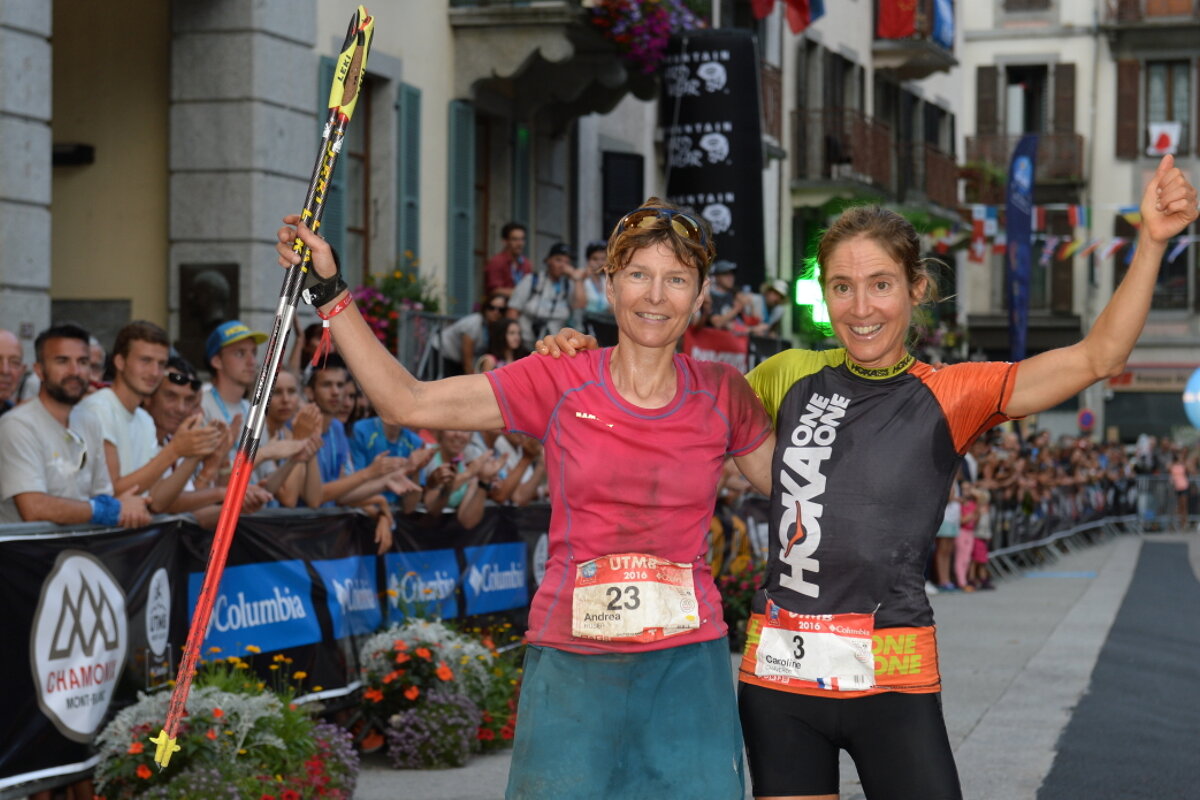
(268, 605)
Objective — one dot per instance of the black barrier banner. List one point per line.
(89, 619)
(711, 120)
(94, 616)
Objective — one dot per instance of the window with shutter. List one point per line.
(1064, 98)
(1168, 98)
(1127, 109)
(408, 174)
(460, 268)
(986, 118)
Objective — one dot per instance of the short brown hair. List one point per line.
(139, 331)
(889, 230)
(624, 242)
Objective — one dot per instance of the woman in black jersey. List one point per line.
(841, 650)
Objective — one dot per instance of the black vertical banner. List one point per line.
(712, 125)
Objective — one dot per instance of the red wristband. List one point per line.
(338, 307)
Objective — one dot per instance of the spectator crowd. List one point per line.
(111, 439)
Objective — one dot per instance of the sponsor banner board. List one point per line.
(496, 578)
(267, 605)
(422, 583)
(352, 594)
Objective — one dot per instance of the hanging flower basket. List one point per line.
(641, 28)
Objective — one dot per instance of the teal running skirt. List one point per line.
(626, 726)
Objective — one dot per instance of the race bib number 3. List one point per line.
(633, 597)
(831, 650)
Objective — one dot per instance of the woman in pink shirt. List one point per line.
(628, 691)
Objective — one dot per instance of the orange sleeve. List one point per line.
(972, 395)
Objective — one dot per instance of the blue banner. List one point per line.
(422, 583)
(495, 578)
(943, 23)
(267, 605)
(351, 594)
(1019, 230)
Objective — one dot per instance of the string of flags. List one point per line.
(985, 234)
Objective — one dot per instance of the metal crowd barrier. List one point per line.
(1027, 536)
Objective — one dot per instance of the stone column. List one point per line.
(243, 140)
(25, 63)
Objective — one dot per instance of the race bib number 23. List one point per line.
(633, 597)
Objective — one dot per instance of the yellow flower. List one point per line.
(274, 666)
(251, 648)
(214, 649)
(409, 254)
(242, 752)
(278, 657)
(318, 688)
(392, 593)
(261, 686)
(397, 274)
(300, 675)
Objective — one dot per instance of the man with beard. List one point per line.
(49, 471)
(114, 415)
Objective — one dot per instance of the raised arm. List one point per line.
(1047, 379)
(464, 402)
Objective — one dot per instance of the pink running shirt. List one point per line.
(627, 479)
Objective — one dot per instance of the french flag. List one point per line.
(800, 13)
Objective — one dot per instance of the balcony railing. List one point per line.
(928, 171)
(772, 100)
(1059, 155)
(842, 144)
(1134, 11)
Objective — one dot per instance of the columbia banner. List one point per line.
(1019, 210)
(711, 119)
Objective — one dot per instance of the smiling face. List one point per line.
(870, 301)
(142, 368)
(654, 297)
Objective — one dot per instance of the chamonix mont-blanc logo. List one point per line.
(79, 643)
(158, 612)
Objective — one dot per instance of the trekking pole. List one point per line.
(343, 95)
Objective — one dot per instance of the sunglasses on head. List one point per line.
(180, 379)
(681, 222)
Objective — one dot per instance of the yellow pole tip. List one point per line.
(165, 747)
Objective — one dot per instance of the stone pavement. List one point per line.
(1015, 662)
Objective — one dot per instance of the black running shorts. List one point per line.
(898, 743)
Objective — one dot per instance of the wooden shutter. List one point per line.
(408, 173)
(333, 220)
(1064, 98)
(1128, 75)
(1062, 271)
(461, 271)
(986, 118)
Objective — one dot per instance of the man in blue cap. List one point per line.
(230, 353)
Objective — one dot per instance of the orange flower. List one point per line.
(412, 693)
(403, 658)
(424, 653)
(144, 772)
(211, 734)
(444, 672)
(399, 644)
(487, 642)
(395, 674)
(374, 695)
(218, 713)
(136, 748)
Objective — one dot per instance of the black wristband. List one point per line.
(318, 291)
